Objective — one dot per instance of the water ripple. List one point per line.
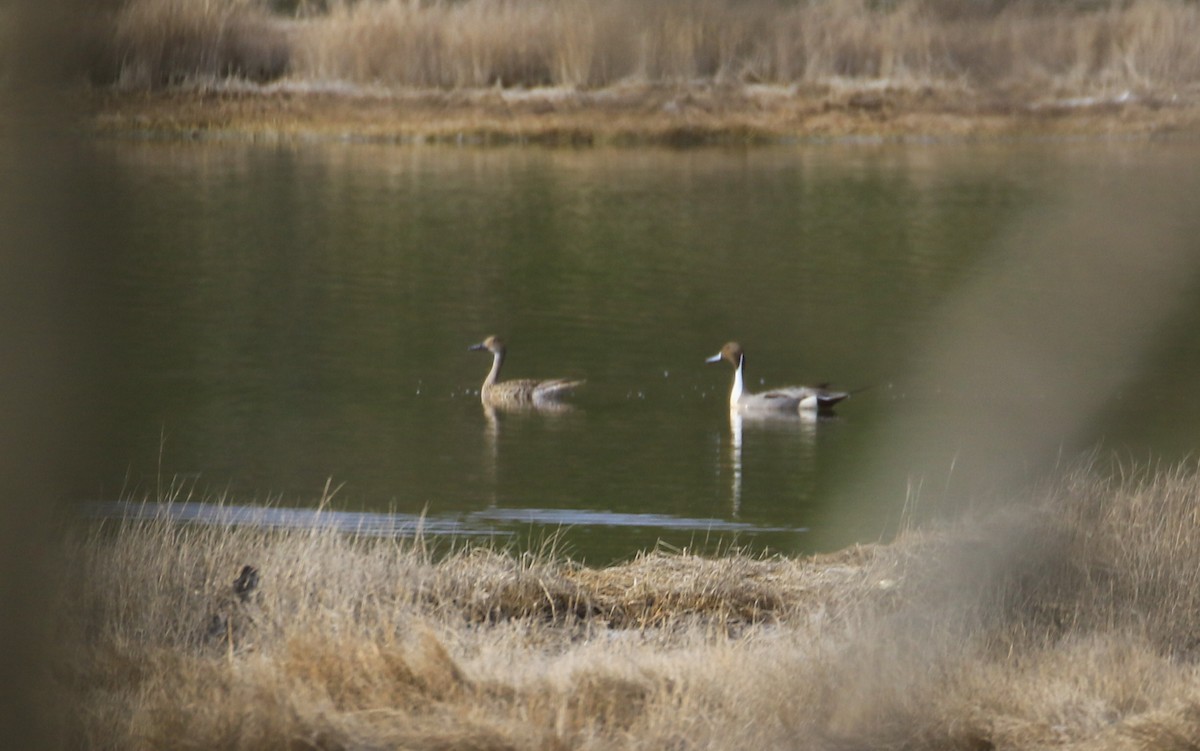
(487, 523)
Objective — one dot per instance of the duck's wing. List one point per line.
(819, 397)
(554, 388)
(780, 401)
(779, 395)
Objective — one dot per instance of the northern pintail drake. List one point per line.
(805, 400)
(525, 392)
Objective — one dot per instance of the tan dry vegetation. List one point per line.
(155, 43)
(1080, 47)
(565, 70)
(1067, 621)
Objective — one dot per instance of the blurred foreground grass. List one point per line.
(1067, 619)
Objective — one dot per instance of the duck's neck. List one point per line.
(494, 374)
(736, 392)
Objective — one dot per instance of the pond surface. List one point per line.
(280, 320)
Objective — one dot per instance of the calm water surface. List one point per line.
(280, 318)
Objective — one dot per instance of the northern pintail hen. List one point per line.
(806, 400)
(525, 392)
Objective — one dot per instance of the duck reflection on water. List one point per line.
(741, 424)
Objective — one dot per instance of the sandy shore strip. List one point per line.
(627, 115)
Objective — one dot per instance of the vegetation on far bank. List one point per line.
(582, 71)
(1067, 620)
(1047, 47)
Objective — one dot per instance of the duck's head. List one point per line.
(492, 344)
(732, 351)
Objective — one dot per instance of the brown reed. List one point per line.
(1076, 47)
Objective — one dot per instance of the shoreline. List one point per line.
(635, 115)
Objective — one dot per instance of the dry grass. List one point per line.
(624, 71)
(155, 43)
(1048, 47)
(1068, 621)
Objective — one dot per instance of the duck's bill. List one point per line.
(474, 347)
(714, 358)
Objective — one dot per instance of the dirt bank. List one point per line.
(635, 115)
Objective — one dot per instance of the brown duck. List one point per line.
(525, 392)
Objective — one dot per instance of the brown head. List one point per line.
(493, 344)
(732, 351)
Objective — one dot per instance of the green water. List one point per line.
(276, 318)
